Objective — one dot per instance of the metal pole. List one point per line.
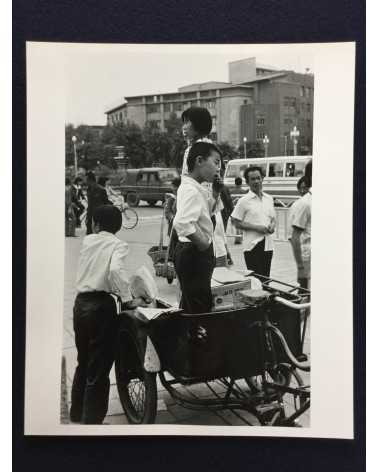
(245, 150)
(285, 145)
(295, 146)
(75, 159)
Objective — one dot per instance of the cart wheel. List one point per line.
(169, 280)
(136, 387)
(285, 375)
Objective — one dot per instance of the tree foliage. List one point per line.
(145, 147)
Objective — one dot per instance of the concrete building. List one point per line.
(257, 101)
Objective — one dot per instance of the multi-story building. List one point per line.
(257, 101)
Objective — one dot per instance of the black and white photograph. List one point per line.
(191, 276)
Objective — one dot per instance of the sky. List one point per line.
(99, 76)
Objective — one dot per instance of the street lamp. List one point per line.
(74, 139)
(266, 144)
(245, 147)
(294, 134)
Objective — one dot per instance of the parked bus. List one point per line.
(281, 175)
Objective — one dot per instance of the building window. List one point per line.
(177, 106)
(288, 121)
(167, 107)
(309, 107)
(260, 135)
(152, 108)
(210, 104)
(308, 123)
(290, 101)
(154, 123)
(301, 91)
(260, 121)
(307, 92)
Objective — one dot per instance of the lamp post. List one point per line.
(294, 134)
(74, 139)
(285, 148)
(266, 144)
(245, 147)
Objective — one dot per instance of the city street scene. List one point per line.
(188, 240)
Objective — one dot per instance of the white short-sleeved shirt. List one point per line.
(193, 210)
(292, 212)
(102, 265)
(219, 237)
(252, 209)
(302, 219)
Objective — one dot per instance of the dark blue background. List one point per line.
(189, 21)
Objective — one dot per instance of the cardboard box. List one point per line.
(224, 295)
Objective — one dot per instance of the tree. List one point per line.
(177, 144)
(228, 152)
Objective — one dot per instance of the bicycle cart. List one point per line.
(254, 351)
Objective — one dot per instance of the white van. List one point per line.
(281, 175)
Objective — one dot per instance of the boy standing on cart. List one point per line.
(194, 255)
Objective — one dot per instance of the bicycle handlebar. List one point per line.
(295, 306)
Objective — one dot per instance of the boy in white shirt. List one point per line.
(101, 271)
(194, 255)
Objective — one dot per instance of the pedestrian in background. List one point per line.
(96, 196)
(254, 214)
(301, 232)
(77, 198)
(69, 214)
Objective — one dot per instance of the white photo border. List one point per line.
(332, 233)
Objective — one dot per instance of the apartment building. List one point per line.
(257, 101)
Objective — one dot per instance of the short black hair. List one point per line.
(77, 180)
(91, 177)
(252, 169)
(200, 148)
(200, 119)
(108, 217)
(176, 182)
(308, 173)
(302, 180)
(238, 181)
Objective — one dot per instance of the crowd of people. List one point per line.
(197, 211)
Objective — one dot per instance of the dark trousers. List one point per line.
(89, 220)
(259, 260)
(78, 209)
(95, 326)
(194, 269)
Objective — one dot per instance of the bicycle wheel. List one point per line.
(136, 388)
(285, 375)
(129, 218)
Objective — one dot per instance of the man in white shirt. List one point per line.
(301, 233)
(254, 214)
(194, 255)
(101, 271)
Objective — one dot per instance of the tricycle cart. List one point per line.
(254, 351)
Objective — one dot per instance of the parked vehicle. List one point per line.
(281, 175)
(149, 184)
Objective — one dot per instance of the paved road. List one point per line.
(140, 239)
